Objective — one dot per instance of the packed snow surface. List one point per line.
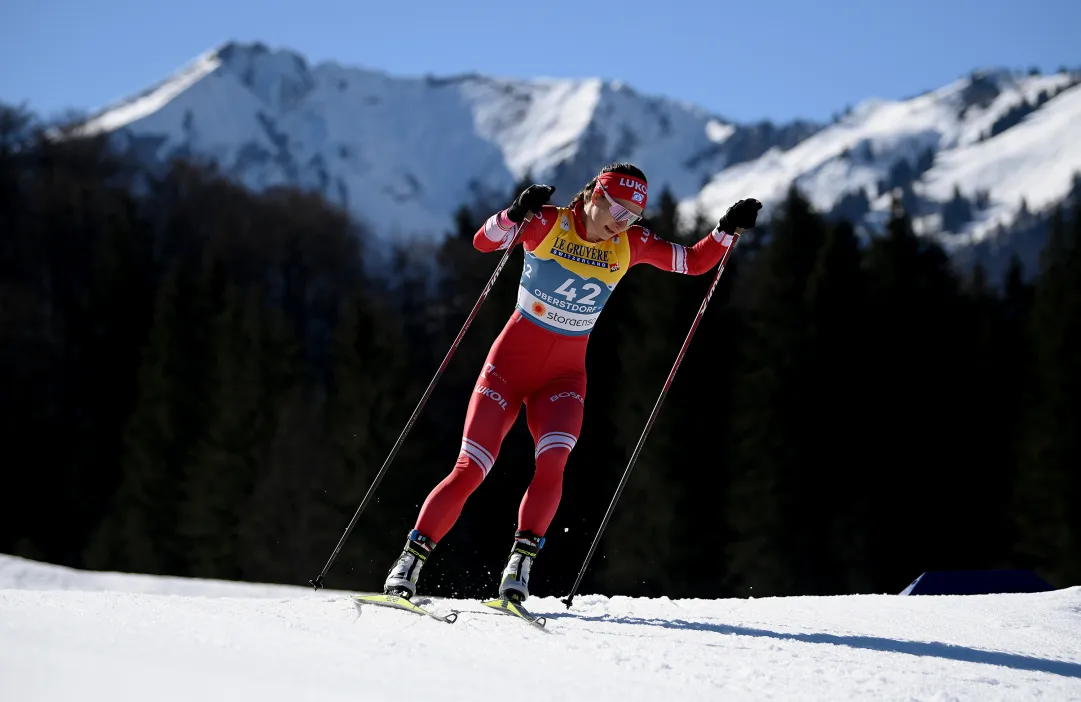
(72, 635)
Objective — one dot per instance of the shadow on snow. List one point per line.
(912, 648)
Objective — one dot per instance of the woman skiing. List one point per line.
(574, 257)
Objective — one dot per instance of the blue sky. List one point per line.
(774, 59)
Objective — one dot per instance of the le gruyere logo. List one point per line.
(580, 253)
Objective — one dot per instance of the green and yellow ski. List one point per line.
(395, 602)
(515, 609)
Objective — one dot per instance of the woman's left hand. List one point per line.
(740, 216)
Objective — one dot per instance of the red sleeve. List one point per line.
(498, 231)
(647, 247)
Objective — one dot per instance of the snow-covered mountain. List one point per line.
(404, 153)
(964, 157)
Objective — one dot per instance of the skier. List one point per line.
(574, 257)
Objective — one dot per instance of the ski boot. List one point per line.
(403, 575)
(515, 583)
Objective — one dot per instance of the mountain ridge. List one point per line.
(269, 117)
(403, 153)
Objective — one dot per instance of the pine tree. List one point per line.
(700, 408)
(372, 396)
(1049, 486)
(285, 524)
(138, 535)
(916, 337)
(770, 440)
(28, 430)
(987, 381)
(224, 464)
(119, 313)
(829, 516)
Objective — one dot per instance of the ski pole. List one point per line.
(317, 582)
(649, 423)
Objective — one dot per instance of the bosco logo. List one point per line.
(568, 393)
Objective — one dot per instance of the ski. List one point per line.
(395, 602)
(515, 609)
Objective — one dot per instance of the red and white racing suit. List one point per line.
(539, 357)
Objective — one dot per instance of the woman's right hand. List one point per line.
(532, 199)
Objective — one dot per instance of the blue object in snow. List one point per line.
(976, 582)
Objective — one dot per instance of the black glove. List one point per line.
(741, 215)
(532, 199)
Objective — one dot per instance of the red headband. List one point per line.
(624, 187)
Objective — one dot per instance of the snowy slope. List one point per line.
(22, 574)
(404, 153)
(107, 639)
(1034, 161)
(930, 143)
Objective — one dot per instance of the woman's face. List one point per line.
(610, 216)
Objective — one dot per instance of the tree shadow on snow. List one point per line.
(913, 648)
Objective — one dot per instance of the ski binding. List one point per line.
(514, 609)
(396, 602)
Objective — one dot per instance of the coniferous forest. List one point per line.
(200, 380)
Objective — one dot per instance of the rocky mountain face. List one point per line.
(403, 153)
(971, 160)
